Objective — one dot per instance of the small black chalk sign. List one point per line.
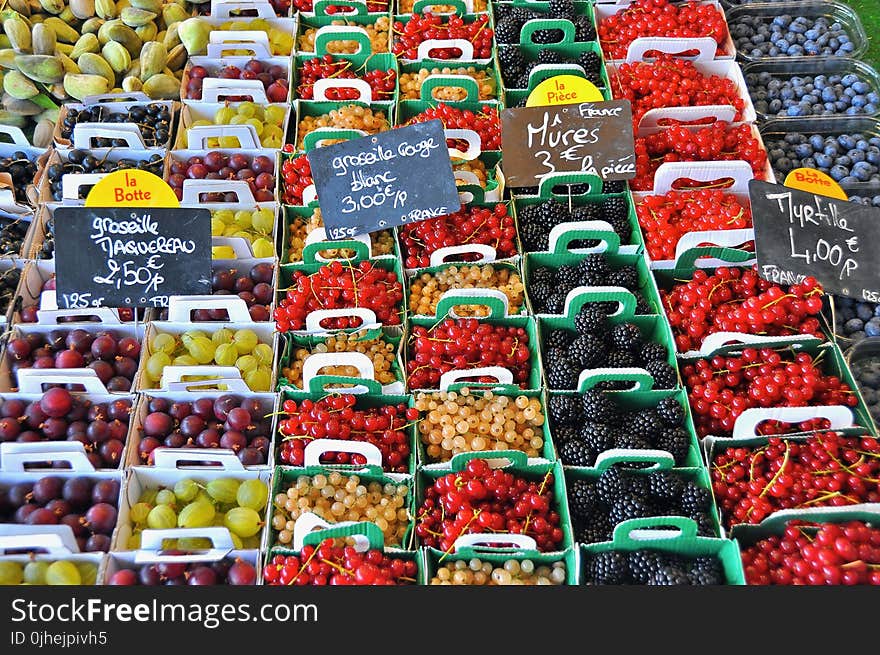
(130, 257)
(381, 181)
(595, 138)
(800, 234)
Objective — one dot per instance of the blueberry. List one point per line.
(865, 311)
(853, 325)
(829, 94)
(838, 173)
(847, 141)
(823, 160)
(872, 327)
(861, 87)
(795, 110)
(876, 201)
(870, 395)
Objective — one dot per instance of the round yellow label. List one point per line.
(132, 188)
(813, 181)
(563, 90)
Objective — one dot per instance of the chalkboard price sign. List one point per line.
(800, 234)
(381, 181)
(590, 137)
(131, 257)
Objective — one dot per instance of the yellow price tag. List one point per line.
(813, 181)
(563, 90)
(132, 188)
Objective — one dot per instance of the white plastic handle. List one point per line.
(705, 46)
(31, 380)
(241, 247)
(597, 372)
(310, 195)
(314, 363)
(228, 376)
(151, 545)
(329, 133)
(342, 30)
(475, 144)
(486, 252)
(521, 541)
(663, 457)
(171, 458)
(197, 137)
(71, 183)
(365, 91)
(309, 522)
(193, 188)
(215, 89)
(669, 173)
(319, 235)
(468, 177)
(313, 319)
(466, 47)
(179, 307)
(225, 8)
(746, 423)
(434, 9)
(652, 117)
(558, 230)
(723, 238)
(577, 291)
(317, 447)
(15, 134)
(503, 375)
(254, 41)
(499, 295)
(49, 312)
(53, 539)
(83, 133)
(16, 455)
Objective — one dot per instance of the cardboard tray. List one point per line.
(18, 142)
(237, 247)
(195, 138)
(320, 21)
(113, 104)
(454, 79)
(216, 89)
(46, 543)
(192, 189)
(434, 559)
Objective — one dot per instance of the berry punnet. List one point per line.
(382, 83)
(855, 319)
(491, 225)
(82, 161)
(586, 425)
(516, 68)
(373, 6)
(296, 176)
(424, 27)
(427, 289)
(537, 220)
(336, 417)
(22, 170)
(476, 572)
(721, 388)
(337, 285)
(848, 158)
(672, 82)
(787, 95)
(223, 572)
(827, 469)
(346, 117)
(300, 226)
(466, 343)
(411, 83)
(784, 35)
(720, 141)
(666, 219)
(481, 500)
(486, 123)
(646, 18)
(153, 122)
(509, 21)
(737, 300)
(329, 564)
(652, 568)
(816, 554)
(377, 31)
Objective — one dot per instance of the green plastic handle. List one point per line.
(688, 259)
(421, 5)
(318, 383)
(643, 379)
(496, 307)
(324, 38)
(371, 531)
(610, 237)
(312, 139)
(532, 26)
(311, 250)
(465, 82)
(540, 75)
(494, 388)
(515, 458)
(589, 295)
(662, 461)
(551, 180)
(476, 191)
(623, 532)
(359, 6)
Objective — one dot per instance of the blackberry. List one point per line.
(594, 529)
(631, 441)
(706, 571)
(533, 236)
(561, 375)
(665, 376)
(609, 568)
(512, 63)
(594, 263)
(665, 486)
(539, 292)
(705, 525)
(582, 499)
(610, 485)
(614, 186)
(559, 339)
(676, 442)
(668, 576)
(502, 11)
(546, 37)
(616, 212)
(628, 506)
(598, 407)
(598, 436)
(651, 351)
(584, 30)
(642, 564)
(619, 359)
(645, 423)
(507, 30)
(553, 213)
(576, 452)
(670, 412)
(564, 410)
(587, 351)
(695, 499)
(542, 274)
(627, 337)
(562, 9)
(522, 14)
(556, 303)
(547, 56)
(638, 486)
(566, 275)
(523, 80)
(586, 213)
(590, 320)
(625, 276)
(563, 433)
(591, 63)
(642, 306)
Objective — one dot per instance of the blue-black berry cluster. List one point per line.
(536, 221)
(871, 201)
(855, 319)
(790, 36)
(847, 158)
(866, 372)
(806, 95)
(653, 568)
(509, 21)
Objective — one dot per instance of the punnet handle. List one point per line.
(31, 380)
(151, 545)
(172, 458)
(179, 307)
